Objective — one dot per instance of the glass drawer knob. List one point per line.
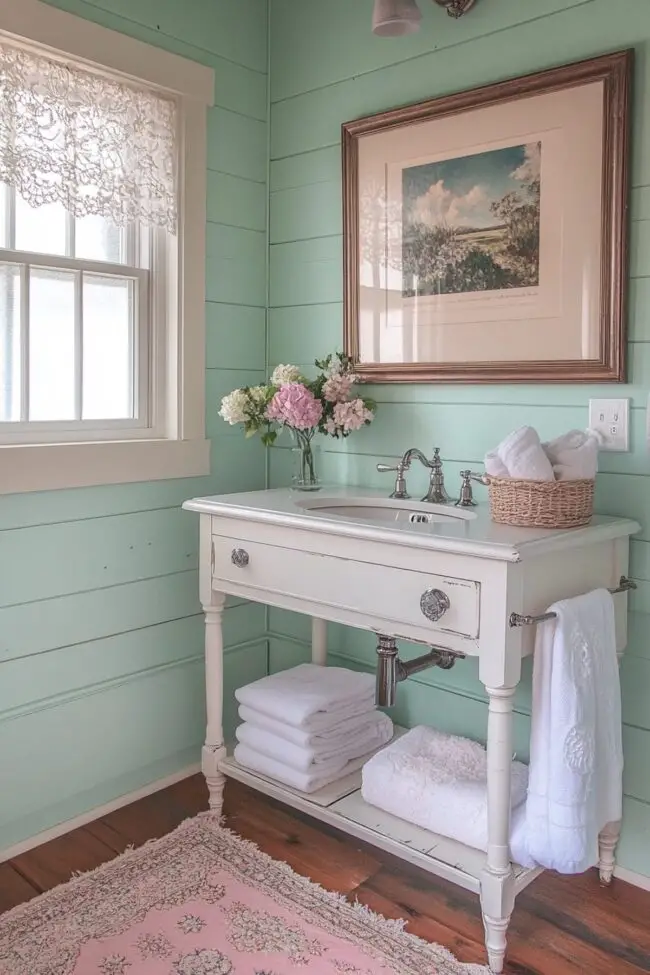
(434, 603)
(240, 558)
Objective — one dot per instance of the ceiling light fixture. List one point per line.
(455, 8)
(394, 18)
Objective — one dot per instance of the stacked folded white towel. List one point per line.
(310, 725)
(439, 782)
(573, 456)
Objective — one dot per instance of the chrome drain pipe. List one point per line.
(391, 670)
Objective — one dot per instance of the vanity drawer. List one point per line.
(385, 592)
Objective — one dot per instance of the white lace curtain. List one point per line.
(96, 145)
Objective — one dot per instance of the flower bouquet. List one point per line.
(327, 404)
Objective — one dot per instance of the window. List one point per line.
(102, 226)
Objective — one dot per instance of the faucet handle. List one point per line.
(399, 491)
(466, 499)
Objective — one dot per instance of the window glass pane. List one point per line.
(51, 345)
(4, 191)
(9, 343)
(40, 229)
(108, 304)
(98, 240)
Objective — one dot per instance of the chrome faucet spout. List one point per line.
(415, 452)
(436, 493)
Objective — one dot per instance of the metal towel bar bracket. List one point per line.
(516, 619)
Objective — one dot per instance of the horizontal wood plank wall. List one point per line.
(101, 675)
(326, 67)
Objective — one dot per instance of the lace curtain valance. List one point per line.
(96, 145)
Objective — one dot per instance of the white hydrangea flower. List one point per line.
(234, 407)
(257, 394)
(285, 374)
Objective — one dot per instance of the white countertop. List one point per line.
(477, 536)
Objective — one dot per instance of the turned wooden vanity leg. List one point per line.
(498, 880)
(319, 641)
(214, 749)
(607, 842)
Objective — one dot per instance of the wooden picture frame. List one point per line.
(485, 232)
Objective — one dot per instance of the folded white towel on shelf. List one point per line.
(322, 757)
(437, 781)
(574, 455)
(310, 697)
(338, 733)
(523, 456)
(576, 754)
(307, 782)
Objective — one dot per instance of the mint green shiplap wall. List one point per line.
(101, 652)
(326, 67)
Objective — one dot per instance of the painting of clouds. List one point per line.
(472, 223)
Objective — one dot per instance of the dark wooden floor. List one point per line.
(561, 926)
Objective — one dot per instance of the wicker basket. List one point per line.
(541, 504)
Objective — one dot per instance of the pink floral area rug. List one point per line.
(202, 901)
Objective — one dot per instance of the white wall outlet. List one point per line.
(611, 417)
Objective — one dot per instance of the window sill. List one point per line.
(50, 467)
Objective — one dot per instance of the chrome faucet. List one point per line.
(436, 493)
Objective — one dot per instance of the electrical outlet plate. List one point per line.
(611, 417)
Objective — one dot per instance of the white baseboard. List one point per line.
(97, 812)
(636, 879)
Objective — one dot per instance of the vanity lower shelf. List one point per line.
(341, 805)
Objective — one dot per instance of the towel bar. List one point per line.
(516, 619)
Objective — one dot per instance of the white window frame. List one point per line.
(173, 444)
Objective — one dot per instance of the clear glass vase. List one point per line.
(305, 467)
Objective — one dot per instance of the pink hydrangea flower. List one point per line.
(296, 406)
(352, 416)
(337, 387)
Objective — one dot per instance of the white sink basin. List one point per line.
(386, 509)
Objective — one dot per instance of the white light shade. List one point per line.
(391, 18)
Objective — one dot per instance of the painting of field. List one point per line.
(472, 223)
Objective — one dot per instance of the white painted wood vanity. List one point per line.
(356, 558)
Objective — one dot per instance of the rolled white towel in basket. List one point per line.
(310, 697)
(521, 454)
(323, 758)
(574, 455)
(439, 782)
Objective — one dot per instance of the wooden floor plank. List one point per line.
(560, 926)
(146, 819)
(14, 888)
(55, 862)
(619, 915)
(334, 861)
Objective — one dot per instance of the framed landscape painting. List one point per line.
(485, 233)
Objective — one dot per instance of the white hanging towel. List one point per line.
(310, 697)
(324, 759)
(576, 753)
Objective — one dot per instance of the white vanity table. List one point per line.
(452, 582)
